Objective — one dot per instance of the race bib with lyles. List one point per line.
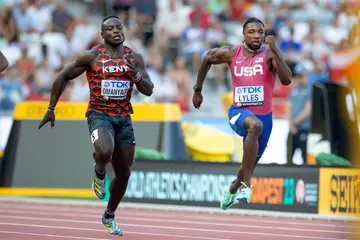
(114, 89)
(249, 96)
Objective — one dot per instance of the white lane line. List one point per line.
(121, 218)
(175, 216)
(99, 230)
(177, 208)
(162, 227)
(51, 235)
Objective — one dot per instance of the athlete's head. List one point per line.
(112, 31)
(254, 33)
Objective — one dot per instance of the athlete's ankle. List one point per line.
(109, 214)
(100, 173)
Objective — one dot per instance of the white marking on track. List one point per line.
(97, 230)
(153, 215)
(154, 227)
(55, 214)
(51, 235)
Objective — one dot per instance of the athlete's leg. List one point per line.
(263, 140)
(237, 117)
(102, 138)
(122, 160)
(253, 126)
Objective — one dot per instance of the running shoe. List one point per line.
(245, 194)
(111, 226)
(228, 201)
(98, 186)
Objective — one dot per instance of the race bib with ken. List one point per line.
(249, 96)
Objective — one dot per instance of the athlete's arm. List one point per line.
(145, 86)
(213, 57)
(277, 63)
(70, 72)
(4, 63)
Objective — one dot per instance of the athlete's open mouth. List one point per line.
(118, 37)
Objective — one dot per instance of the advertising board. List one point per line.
(279, 188)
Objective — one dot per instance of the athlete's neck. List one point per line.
(247, 52)
(252, 50)
(114, 51)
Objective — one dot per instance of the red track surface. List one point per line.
(46, 221)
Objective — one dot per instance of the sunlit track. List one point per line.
(45, 221)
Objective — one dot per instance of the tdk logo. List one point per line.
(117, 84)
(113, 69)
(249, 71)
(248, 90)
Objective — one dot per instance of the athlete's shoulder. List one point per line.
(85, 58)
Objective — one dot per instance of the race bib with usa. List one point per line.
(115, 89)
(249, 96)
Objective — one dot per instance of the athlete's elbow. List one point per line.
(286, 81)
(149, 91)
(4, 65)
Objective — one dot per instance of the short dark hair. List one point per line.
(251, 20)
(113, 16)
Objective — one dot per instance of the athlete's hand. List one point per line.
(130, 63)
(197, 99)
(49, 117)
(271, 42)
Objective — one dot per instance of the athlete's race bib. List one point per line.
(114, 89)
(249, 96)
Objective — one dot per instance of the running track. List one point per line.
(44, 221)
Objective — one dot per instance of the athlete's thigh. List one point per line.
(263, 140)
(237, 118)
(101, 132)
(123, 158)
(124, 133)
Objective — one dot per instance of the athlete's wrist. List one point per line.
(51, 108)
(137, 78)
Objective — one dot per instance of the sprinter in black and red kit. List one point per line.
(112, 70)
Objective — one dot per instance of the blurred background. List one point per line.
(319, 40)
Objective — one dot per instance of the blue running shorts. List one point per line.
(237, 117)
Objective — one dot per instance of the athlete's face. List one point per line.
(254, 35)
(113, 32)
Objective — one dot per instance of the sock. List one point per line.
(101, 176)
(108, 214)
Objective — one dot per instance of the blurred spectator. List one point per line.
(60, 17)
(146, 17)
(171, 23)
(166, 88)
(8, 28)
(193, 44)
(39, 37)
(44, 77)
(12, 90)
(40, 14)
(183, 78)
(299, 112)
(122, 9)
(26, 65)
(199, 16)
(80, 90)
(22, 16)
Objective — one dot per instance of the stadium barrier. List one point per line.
(62, 157)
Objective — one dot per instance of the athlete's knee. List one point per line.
(254, 126)
(104, 154)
